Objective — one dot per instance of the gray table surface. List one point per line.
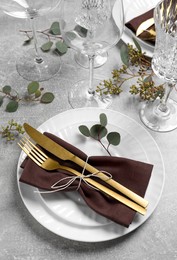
(21, 236)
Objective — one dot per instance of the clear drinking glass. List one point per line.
(33, 65)
(161, 115)
(88, 26)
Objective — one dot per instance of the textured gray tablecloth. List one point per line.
(21, 236)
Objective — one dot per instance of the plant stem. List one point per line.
(107, 150)
(45, 32)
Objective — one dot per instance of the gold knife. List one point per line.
(64, 154)
(144, 26)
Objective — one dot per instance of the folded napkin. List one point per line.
(133, 174)
(135, 23)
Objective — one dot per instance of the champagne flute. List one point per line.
(33, 65)
(162, 116)
(94, 17)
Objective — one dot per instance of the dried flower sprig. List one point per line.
(136, 65)
(99, 131)
(11, 131)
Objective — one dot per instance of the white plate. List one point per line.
(133, 9)
(66, 214)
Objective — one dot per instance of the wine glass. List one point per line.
(33, 65)
(83, 60)
(161, 116)
(88, 26)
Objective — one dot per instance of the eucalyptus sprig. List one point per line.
(11, 131)
(136, 65)
(35, 93)
(54, 41)
(99, 131)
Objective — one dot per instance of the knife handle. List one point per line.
(122, 189)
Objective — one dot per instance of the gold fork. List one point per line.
(47, 163)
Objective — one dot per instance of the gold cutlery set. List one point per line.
(124, 195)
(148, 28)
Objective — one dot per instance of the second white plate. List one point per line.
(133, 9)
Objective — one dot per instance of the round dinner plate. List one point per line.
(66, 214)
(133, 9)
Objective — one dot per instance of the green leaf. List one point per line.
(148, 79)
(124, 54)
(47, 97)
(61, 47)
(33, 87)
(70, 35)
(47, 46)
(6, 89)
(12, 106)
(113, 138)
(98, 131)
(28, 41)
(137, 44)
(55, 28)
(103, 119)
(37, 93)
(84, 130)
(81, 31)
(1, 100)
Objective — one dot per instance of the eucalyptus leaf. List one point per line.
(6, 89)
(37, 93)
(47, 46)
(103, 119)
(33, 87)
(1, 100)
(113, 138)
(12, 106)
(61, 47)
(98, 131)
(81, 31)
(47, 97)
(70, 35)
(28, 41)
(137, 44)
(84, 130)
(148, 79)
(124, 54)
(55, 28)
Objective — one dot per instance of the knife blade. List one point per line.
(62, 153)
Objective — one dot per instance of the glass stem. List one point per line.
(163, 105)
(38, 59)
(91, 72)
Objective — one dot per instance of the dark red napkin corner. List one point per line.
(135, 22)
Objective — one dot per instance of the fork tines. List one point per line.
(32, 151)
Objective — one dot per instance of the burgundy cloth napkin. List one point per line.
(133, 174)
(135, 23)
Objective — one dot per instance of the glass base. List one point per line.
(79, 96)
(29, 69)
(157, 120)
(83, 60)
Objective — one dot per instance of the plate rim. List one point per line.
(113, 225)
